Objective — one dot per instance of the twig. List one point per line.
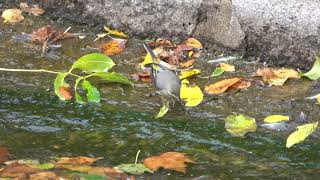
(35, 71)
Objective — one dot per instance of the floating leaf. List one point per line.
(44, 175)
(217, 72)
(112, 47)
(12, 15)
(277, 77)
(188, 73)
(227, 67)
(240, 125)
(115, 33)
(314, 73)
(133, 168)
(194, 43)
(112, 77)
(43, 34)
(276, 118)
(58, 83)
(93, 94)
(4, 154)
(16, 170)
(164, 109)
(170, 160)
(301, 134)
(191, 94)
(80, 160)
(94, 62)
(242, 84)
(221, 86)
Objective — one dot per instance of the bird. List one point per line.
(165, 80)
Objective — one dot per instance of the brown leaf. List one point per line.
(43, 34)
(112, 47)
(65, 91)
(16, 170)
(34, 9)
(187, 64)
(221, 86)
(80, 160)
(194, 43)
(183, 47)
(44, 176)
(4, 154)
(169, 160)
(277, 77)
(242, 84)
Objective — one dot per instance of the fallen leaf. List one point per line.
(34, 9)
(112, 47)
(16, 170)
(276, 118)
(12, 15)
(189, 73)
(227, 67)
(221, 86)
(301, 134)
(43, 34)
(194, 43)
(217, 72)
(242, 84)
(187, 64)
(314, 73)
(240, 125)
(44, 176)
(170, 160)
(4, 154)
(65, 92)
(115, 33)
(318, 99)
(277, 77)
(133, 168)
(164, 109)
(192, 95)
(80, 160)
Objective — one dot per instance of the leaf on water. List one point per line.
(113, 47)
(164, 109)
(44, 176)
(187, 64)
(80, 160)
(217, 72)
(240, 125)
(4, 154)
(60, 84)
(93, 94)
(170, 160)
(221, 86)
(227, 67)
(12, 16)
(112, 77)
(189, 73)
(43, 34)
(194, 43)
(34, 9)
(95, 62)
(17, 170)
(133, 168)
(277, 77)
(301, 134)
(192, 95)
(115, 33)
(242, 84)
(44, 166)
(276, 118)
(314, 73)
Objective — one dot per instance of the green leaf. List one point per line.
(93, 94)
(59, 82)
(133, 168)
(44, 166)
(77, 95)
(112, 77)
(276, 118)
(217, 72)
(314, 73)
(95, 62)
(164, 109)
(301, 134)
(240, 125)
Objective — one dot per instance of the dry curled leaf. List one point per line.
(17, 170)
(242, 84)
(65, 92)
(112, 47)
(187, 64)
(43, 34)
(115, 33)
(81, 160)
(170, 160)
(221, 86)
(277, 77)
(194, 43)
(34, 9)
(12, 15)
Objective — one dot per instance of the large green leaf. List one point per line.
(301, 134)
(95, 62)
(60, 82)
(240, 125)
(134, 168)
(112, 77)
(76, 94)
(314, 73)
(93, 94)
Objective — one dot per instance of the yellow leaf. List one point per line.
(188, 73)
(191, 94)
(276, 118)
(301, 134)
(227, 67)
(193, 43)
(12, 15)
(318, 99)
(115, 33)
(164, 109)
(277, 77)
